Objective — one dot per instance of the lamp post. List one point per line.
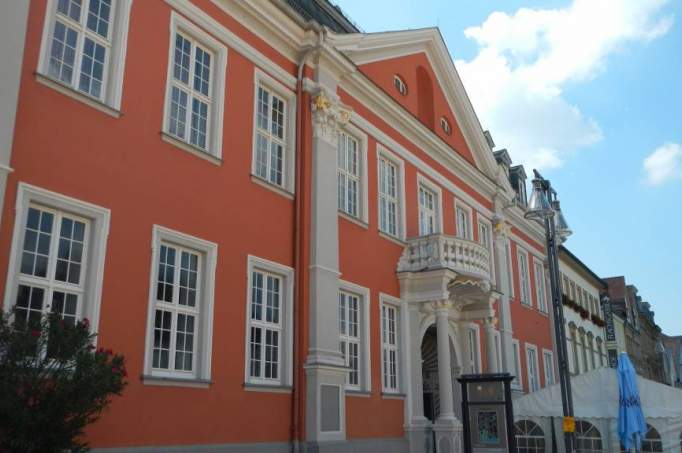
(544, 207)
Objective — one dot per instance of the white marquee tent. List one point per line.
(595, 401)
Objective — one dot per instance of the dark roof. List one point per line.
(502, 157)
(324, 13)
(589, 271)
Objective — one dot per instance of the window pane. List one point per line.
(162, 335)
(255, 343)
(92, 68)
(29, 306)
(178, 112)
(276, 161)
(184, 342)
(166, 277)
(189, 274)
(199, 123)
(181, 59)
(271, 354)
(70, 8)
(70, 251)
(37, 238)
(98, 17)
(63, 52)
(272, 312)
(257, 296)
(202, 71)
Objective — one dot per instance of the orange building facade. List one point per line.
(296, 233)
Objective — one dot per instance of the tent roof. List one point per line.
(595, 395)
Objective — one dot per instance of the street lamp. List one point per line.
(544, 207)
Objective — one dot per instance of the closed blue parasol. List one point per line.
(631, 422)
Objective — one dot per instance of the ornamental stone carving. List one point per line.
(328, 116)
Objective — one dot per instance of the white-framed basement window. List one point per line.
(270, 292)
(354, 335)
(391, 193)
(195, 88)
(181, 298)
(57, 257)
(84, 45)
(517, 383)
(273, 132)
(390, 344)
(352, 172)
(524, 278)
(463, 221)
(532, 366)
(548, 361)
(430, 198)
(540, 287)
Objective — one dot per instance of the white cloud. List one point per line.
(525, 60)
(664, 164)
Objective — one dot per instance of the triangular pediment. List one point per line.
(400, 49)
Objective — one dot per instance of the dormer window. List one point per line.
(400, 85)
(445, 125)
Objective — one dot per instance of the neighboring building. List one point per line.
(235, 231)
(585, 334)
(673, 351)
(642, 335)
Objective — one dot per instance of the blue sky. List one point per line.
(589, 92)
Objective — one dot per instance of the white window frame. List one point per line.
(395, 304)
(540, 285)
(548, 361)
(208, 255)
(286, 273)
(112, 83)
(364, 369)
(473, 335)
(399, 84)
(460, 207)
(429, 186)
(517, 383)
(524, 284)
(532, 378)
(92, 273)
(384, 153)
(485, 223)
(362, 194)
(218, 51)
(498, 350)
(261, 79)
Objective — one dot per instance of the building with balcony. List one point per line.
(298, 234)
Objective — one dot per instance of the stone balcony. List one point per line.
(441, 251)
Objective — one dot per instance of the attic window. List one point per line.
(445, 125)
(400, 85)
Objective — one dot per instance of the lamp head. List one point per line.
(538, 205)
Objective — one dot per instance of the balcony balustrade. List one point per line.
(442, 251)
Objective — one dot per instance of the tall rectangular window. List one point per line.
(472, 338)
(463, 223)
(389, 347)
(524, 279)
(532, 363)
(177, 306)
(82, 33)
(190, 92)
(265, 327)
(540, 290)
(388, 197)
(428, 211)
(484, 235)
(51, 270)
(270, 146)
(518, 379)
(548, 360)
(348, 167)
(350, 336)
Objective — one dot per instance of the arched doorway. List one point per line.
(429, 358)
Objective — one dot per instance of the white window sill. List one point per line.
(252, 387)
(165, 381)
(278, 190)
(355, 220)
(393, 396)
(358, 393)
(67, 90)
(191, 149)
(393, 239)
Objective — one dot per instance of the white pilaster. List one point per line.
(502, 278)
(447, 413)
(491, 353)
